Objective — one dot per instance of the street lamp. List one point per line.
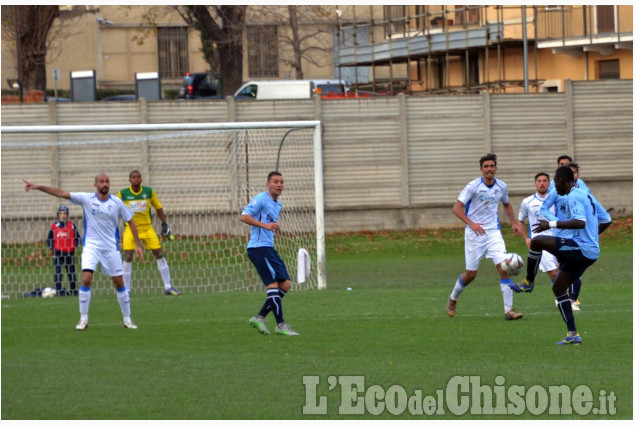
(16, 84)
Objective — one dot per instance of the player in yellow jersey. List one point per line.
(140, 199)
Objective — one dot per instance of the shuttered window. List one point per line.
(173, 59)
(262, 50)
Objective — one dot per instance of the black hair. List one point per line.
(564, 174)
(488, 157)
(561, 157)
(132, 172)
(573, 164)
(273, 173)
(541, 174)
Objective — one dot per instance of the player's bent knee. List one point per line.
(285, 286)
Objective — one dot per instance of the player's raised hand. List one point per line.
(28, 186)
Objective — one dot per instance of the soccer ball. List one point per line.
(49, 293)
(512, 264)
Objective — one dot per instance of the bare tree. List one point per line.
(309, 36)
(28, 28)
(221, 30)
(221, 33)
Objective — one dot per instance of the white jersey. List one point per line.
(481, 202)
(101, 219)
(530, 209)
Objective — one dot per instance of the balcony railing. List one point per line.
(591, 22)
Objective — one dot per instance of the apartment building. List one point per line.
(460, 49)
(428, 49)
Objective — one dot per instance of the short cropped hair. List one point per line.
(273, 173)
(573, 164)
(564, 174)
(132, 172)
(561, 157)
(541, 174)
(488, 157)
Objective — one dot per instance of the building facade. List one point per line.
(428, 49)
(461, 49)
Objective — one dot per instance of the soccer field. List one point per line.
(370, 352)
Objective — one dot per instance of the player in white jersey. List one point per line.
(530, 210)
(477, 207)
(101, 236)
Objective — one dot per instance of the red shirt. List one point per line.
(63, 237)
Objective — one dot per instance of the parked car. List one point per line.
(198, 85)
(331, 88)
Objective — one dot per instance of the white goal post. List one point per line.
(202, 173)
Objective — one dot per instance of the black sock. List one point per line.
(275, 304)
(574, 289)
(533, 261)
(265, 309)
(564, 305)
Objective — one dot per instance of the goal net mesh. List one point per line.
(203, 179)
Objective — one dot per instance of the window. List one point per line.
(262, 50)
(173, 59)
(395, 17)
(609, 70)
(605, 19)
(466, 15)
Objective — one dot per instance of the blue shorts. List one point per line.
(269, 265)
(571, 259)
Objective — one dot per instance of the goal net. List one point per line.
(203, 175)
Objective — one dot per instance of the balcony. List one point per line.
(400, 49)
(575, 29)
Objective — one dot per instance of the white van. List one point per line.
(287, 89)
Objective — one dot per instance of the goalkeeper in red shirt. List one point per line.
(63, 240)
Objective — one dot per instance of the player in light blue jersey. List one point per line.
(101, 237)
(477, 207)
(262, 215)
(575, 254)
(530, 210)
(553, 209)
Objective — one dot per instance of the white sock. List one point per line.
(123, 296)
(508, 297)
(459, 287)
(127, 274)
(84, 302)
(162, 265)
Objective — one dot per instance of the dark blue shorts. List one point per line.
(571, 259)
(269, 265)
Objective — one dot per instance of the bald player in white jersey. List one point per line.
(101, 237)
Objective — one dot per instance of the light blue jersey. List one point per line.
(554, 207)
(263, 208)
(582, 205)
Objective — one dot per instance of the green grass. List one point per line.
(195, 357)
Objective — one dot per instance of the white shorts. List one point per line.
(110, 260)
(548, 262)
(491, 245)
